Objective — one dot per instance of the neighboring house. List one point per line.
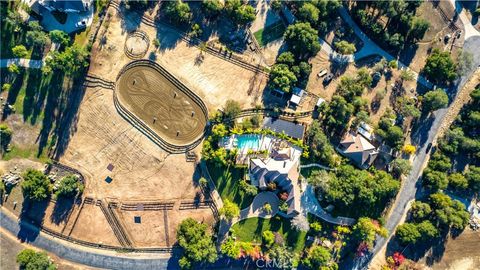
(282, 126)
(72, 6)
(282, 168)
(358, 149)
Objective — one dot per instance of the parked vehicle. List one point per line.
(328, 79)
(81, 24)
(322, 73)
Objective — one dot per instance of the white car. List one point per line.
(81, 24)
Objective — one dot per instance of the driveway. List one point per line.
(311, 205)
(49, 22)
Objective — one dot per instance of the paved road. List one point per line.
(82, 255)
(425, 135)
(21, 62)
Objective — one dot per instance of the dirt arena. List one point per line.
(160, 104)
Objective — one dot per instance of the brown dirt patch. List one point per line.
(161, 105)
(92, 226)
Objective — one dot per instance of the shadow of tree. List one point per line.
(63, 208)
(30, 218)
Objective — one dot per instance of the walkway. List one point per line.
(21, 62)
(87, 256)
(316, 165)
(312, 206)
(369, 48)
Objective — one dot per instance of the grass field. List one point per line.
(250, 230)
(227, 180)
(270, 33)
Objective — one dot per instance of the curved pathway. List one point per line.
(312, 206)
(82, 255)
(22, 62)
(316, 165)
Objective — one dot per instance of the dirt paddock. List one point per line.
(161, 104)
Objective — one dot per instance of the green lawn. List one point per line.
(226, 180)
(250, 230)
(270, 33)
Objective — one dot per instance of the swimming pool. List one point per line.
(248, 142)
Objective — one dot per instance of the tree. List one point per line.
(212, 7)
(427, 230)
(229, 210)
(282, 256)
(435, 179)
(344, 47)
(316, 227)
(230, 248)
(178, 11)
(69, 61)
(320, 145)
(473, 177)
(338, 112)
(232, 109)
(434, 100)
(420, 210)
(449, 212)
(244, 14)
(418, 28)
(302, 39)
(267, 208)
(309, 13)
(5, 136)
(318, 257)
(219, 131)
(59, 37)
(465, 62)
(300, 223)
(6, 87)
(320, 179)
(408, 233)
(28, 259)
(440, 68)
(439, 162)
(458, 181)
(286, 58)
(36, 186)
(394, 137)
(69, 186)
(366, 229)
(13, 69)
(196, 242)
(409, 149)
(407, 75)
(401, 166)
(282, 78)
(14, 19)
(248, 189)
(35, 36)
(19, 51)
(268, 238)
(276, 5)
(195, 31)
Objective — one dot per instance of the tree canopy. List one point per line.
(69, 186)
(440, 68)
(36, 185)
(229, 210)
(302, 39)
(178, 11)
(196, 242)
(434, 100)
(29, 259)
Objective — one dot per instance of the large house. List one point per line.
(75, 6)
(358, 148)
(282, 168)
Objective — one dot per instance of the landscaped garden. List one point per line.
(252, 229)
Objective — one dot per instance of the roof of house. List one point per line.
(289, 128)
(78, 5)
(357, 148)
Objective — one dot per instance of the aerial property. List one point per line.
(239, 134)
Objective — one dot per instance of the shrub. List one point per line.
(268, 238)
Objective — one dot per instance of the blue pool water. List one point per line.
(248, 141)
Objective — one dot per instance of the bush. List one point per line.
(268, 238)
(229, 210)
(232, 108)
(69, 186)
(5, 136)
(19, 51)
(344, 47)
(30, 260)
(316, 227)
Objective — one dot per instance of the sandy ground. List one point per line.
(92, 226)
(201, 74)
(10, 247)
(151, 232)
